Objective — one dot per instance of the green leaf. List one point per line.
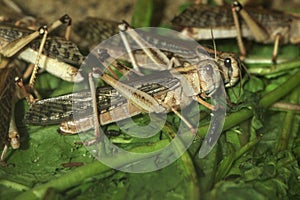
(143, 12)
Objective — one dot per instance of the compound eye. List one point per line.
(227, 62)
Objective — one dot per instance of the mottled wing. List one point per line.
(92, 31)
(9, 33)
(270, 19)
(64, 108)
(204, 16)
(61, 49)
(7, 91)
(55, 47)
(57, 109)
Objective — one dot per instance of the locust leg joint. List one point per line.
(237, 6)
(103, 54)
(24, 93)
(66, 19)
(124, 26)
(43, 30)
(97, 73)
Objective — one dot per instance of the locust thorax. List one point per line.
(201, 79)
(209, 77)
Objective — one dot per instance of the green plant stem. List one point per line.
(14, 185)
(267, 100)
(245, 113)
(227, 162)
(65, 181)
(283, 138)
(80, 174)
(187, 165)
(286, 66)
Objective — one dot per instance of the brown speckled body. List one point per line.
(204, 17)
(7, 96)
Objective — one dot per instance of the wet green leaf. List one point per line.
(252, 160)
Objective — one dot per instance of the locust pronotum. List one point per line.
(202, 78)
(13, 41)
(261, 25)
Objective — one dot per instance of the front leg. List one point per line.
(153, 53)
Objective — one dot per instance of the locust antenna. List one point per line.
(243, 66)
(214, 42)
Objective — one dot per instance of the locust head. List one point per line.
(229, 66)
